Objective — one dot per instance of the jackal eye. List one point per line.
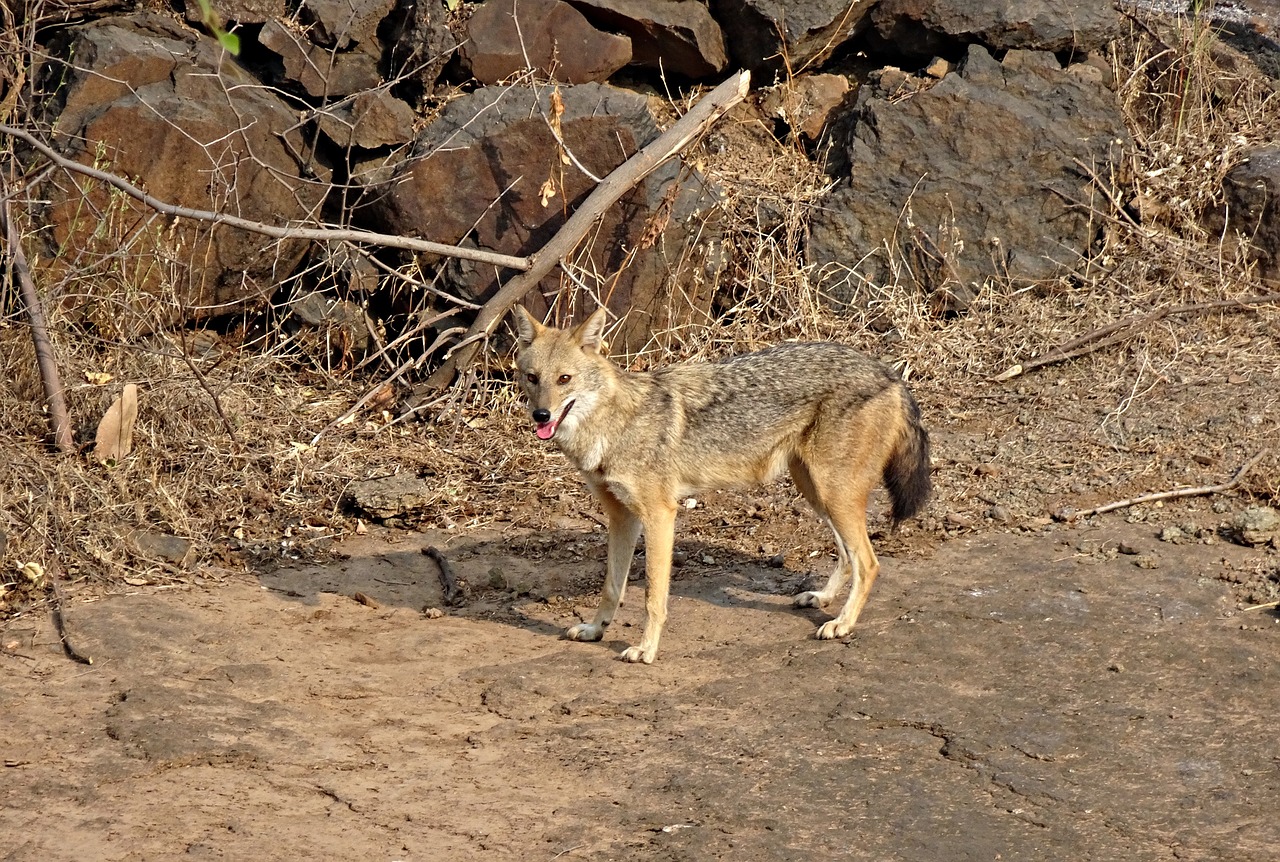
(532, 378)
(564, 378)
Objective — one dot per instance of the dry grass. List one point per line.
(223, 455)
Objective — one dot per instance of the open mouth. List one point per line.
(547, 430)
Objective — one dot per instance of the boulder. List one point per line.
(239, 11)
(806, 103)
(504, 37)
(971, 179)
(923, 28)
(478, 171)
(770, 36)
(1249, 214)
(155, 102)
(675, 36)
(422, 39)
(341, 24)
(368, 120)
(321, 72)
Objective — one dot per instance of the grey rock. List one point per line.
(1249, 215)
(343, 23)
(929, 27)
(968, 180)
(676, 36)
(761, 33)
(392, 496)
(165, 547)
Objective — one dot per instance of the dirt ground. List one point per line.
(1021, 686)
(1040, 691)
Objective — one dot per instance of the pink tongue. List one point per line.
(546, 430)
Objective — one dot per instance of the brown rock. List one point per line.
(342, 23)
(505, 37)
(320, 71)
(240, 11)
(493, 145)
(155, 102)
(371, 119)
(928, 27)
(761, 33)
(675, 36)
(807, 103)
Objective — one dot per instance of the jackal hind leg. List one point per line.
(849, 523)
(840, 574)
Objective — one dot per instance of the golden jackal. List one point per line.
(838, 421)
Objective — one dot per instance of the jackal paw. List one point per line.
(635, 655)
(584, 632)
(810, 600)
(833, 630)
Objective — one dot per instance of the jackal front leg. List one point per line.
(624, 529)
(659, 536)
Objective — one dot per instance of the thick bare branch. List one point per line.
(55, 396)
(276, 231)
(713, 106)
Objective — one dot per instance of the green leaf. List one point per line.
(230, 41)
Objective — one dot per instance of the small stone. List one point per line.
(432, 613)
(998, 514)
(1146, 561)
(1173, 535)
(777, 561)
(708, 560)
(1128, 549)
(1256, 526)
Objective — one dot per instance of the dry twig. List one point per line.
(60, 621)
(54, 394)
(1198, 491)
(454, 590)
(1098, 338)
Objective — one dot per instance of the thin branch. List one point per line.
(55, 395)
(276, 231)
(455, 591)
(713, 106)
(1199, 491)
(1098, 338)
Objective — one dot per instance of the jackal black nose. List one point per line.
(541, 415)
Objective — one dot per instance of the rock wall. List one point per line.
(960, 134)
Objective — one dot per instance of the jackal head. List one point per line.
(561, 371)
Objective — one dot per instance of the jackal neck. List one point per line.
(616, 405)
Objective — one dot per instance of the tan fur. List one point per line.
(836, 420)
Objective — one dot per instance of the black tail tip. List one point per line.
(907, 475)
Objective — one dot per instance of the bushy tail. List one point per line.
(906, 474)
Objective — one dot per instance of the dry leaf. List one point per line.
(115, 432)
(547, 192)
(98, 378)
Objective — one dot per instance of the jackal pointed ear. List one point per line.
(590, 333)
(527, 326)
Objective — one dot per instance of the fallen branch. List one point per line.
(275, 231)
(59, 621)
(55, 396)
(1170, 495)
(713, 106)
(1097, 339)
(454, 590)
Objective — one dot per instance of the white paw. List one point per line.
(635, 655)
(584, 632)
(833, 630)
(810, 600)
